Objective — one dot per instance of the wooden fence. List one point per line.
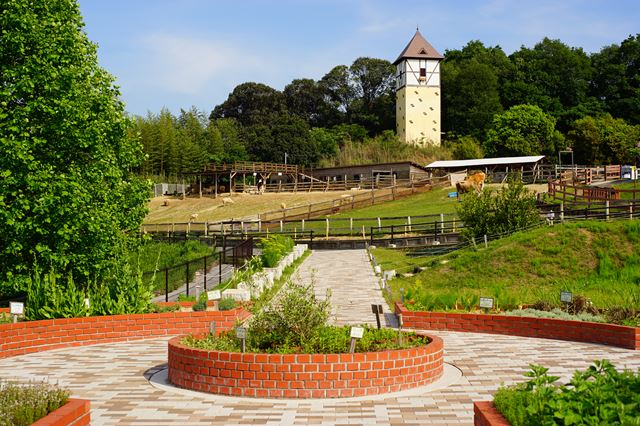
(356, 200)
(567, 192)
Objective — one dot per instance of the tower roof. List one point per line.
(419, 48)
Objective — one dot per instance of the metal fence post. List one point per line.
(166, 285)
(187, 277)
(205, 273)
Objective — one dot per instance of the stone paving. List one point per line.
(115, 377)
(349, 276)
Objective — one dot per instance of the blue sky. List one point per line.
(179, 53)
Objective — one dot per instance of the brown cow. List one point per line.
(473, 182)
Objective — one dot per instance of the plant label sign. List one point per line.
(376, 309)
(357, 332)
(486, 302)
(566, 296)
(16, 308)
(241, 332)
(214, 295)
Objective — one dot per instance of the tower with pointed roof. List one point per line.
(418, 92)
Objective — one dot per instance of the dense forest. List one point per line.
(535, 101)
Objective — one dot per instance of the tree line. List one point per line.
(537, 100)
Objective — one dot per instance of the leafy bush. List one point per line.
(48, 297)
(201, 304)
(226, 304)
(512, 208)
(601, 395)
(326, 340)
(159, 309)
(274, 247)
(22, 405)
(185, 298)
(292, 320)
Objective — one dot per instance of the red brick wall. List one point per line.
(36, 336)
(304, 376)
(547, 328)
(76, 412)
(485, 414)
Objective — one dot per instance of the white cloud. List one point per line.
(186, 65)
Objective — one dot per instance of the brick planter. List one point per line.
(36, 336)
(546, 328)
(485, 414)
(304, 376)
(76, 412)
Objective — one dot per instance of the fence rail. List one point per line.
(565, 191)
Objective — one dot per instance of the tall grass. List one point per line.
(597, 260)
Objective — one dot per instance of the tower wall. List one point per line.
(418, 114)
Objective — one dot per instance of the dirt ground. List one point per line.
(244, 206)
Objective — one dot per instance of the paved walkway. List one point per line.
(354, 287)
(114, 378)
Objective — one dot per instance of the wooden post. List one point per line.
(206, 228)
(562, 212)
(606, 209)
(441, 223)
(409, 222)
(350, 225)
(302, 225)
(327, 231)
(630, 211)
(379, 223)
(281, 226)
(200, 181)
(259, 225)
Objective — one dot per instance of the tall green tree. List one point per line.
(472, 78)
(551, 75)
(68, 199)
(522, 130)
(616, 78)
(604, 140)
(252, 103)
(288, 134)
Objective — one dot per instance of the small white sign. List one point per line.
(87, 303)
(16, 308)
(486, 302)
(566, 296)
(241, 333)
(213, 295)
(357, 332)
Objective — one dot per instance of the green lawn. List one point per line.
(593, 259)
(427, 203)
(628, 186)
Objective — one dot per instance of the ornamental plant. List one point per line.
(600, 395)
(22, 405)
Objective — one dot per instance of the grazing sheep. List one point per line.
(193, 217)
(227, 200)
(283, 206)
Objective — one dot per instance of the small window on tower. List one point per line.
(423, 74)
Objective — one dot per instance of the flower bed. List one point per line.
(76, 412)
(546, 328)
(36, 336)
(304, 375)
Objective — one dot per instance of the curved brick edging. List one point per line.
(76, 412)
(485, 414)
(546, 328)
(36, 336)
(304, 375)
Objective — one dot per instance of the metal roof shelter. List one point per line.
(486, 162)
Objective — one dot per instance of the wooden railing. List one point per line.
(249, 166)
(567, 192)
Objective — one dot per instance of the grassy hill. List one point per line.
(597, 260)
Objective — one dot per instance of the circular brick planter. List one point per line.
(304, 375)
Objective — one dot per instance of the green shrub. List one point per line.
(185, 298)
(226, 304)
(601, 395)
(201, 304)
(294, 319)
(274, 247)
(22, 405)
(159, 309)
(325, 339)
